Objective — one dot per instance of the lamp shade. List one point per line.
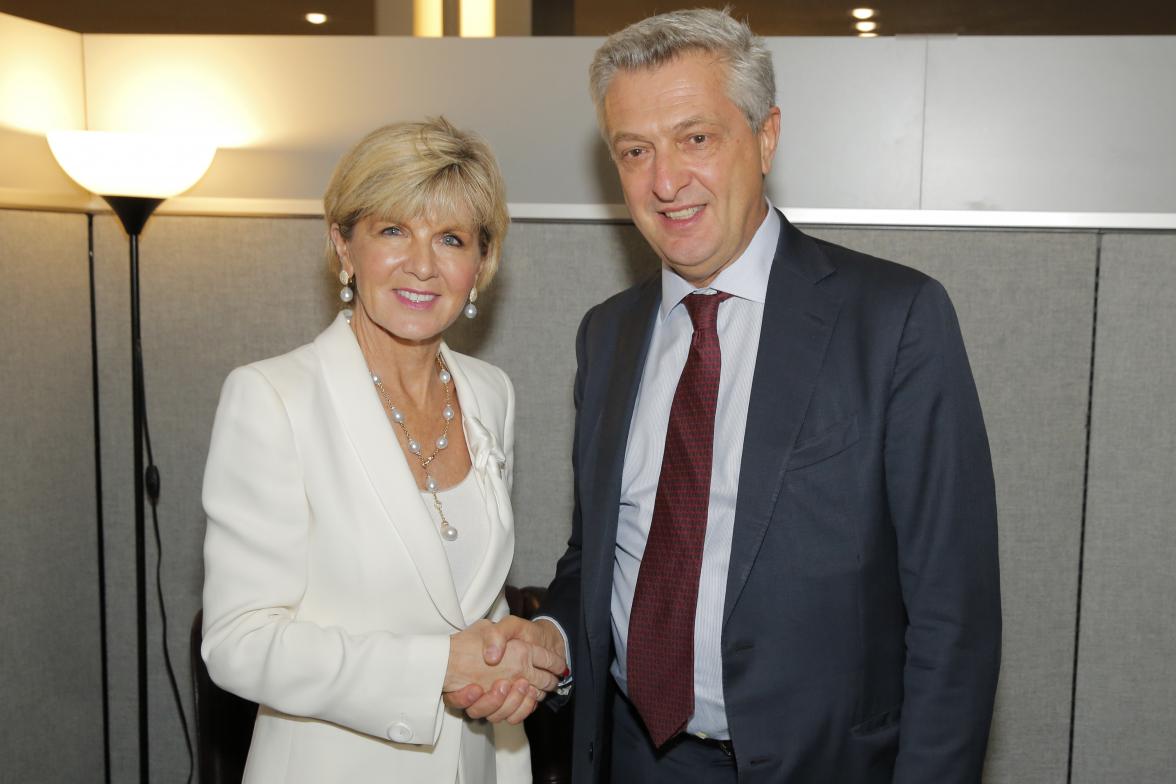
(112, 163)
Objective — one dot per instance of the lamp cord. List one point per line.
(152, 485)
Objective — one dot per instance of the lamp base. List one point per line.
(133, 211)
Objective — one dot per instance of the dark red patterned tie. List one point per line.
(660, 658)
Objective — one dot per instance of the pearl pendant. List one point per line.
(470, 310)
(445, 378)
(397, 415)
(449, 533)
(346, 294)
(442, 442)
(430, 484)
(414, 447)
(375, 379)
(447, 413)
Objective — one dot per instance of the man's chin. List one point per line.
(698, 271)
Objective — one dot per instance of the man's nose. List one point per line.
(669, 175)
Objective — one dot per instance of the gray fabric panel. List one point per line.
(220, 292)
(550, 275)
(50, 671)
(1127, 651)
(216, 293)
(1025, 302)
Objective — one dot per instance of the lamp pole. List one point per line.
(134, 173)
(133, 212)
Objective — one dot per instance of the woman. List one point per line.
(358, 494)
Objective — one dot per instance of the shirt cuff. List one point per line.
(566, 682)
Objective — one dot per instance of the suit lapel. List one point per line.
(485, 450)
(607, 448)
(367, 427)
(798, 320)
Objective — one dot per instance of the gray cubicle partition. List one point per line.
(218, 292)
(50, 665)
(1126, 691)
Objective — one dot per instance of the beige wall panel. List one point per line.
(1126, 697)
(50, 648)
(1072, 123)
(41, 90)
(1025, 303)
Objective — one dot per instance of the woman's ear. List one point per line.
(341, 249)
(478, 274)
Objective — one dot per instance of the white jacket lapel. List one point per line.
(367, 428)
(489, 467)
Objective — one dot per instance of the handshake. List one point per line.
(502, 671)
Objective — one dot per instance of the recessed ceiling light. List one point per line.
(316, 18)
(866, 27)
(867, 35)
(863, 13)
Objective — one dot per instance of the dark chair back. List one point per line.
(224, 722)
(548, 732)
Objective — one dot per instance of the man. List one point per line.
(783, 561)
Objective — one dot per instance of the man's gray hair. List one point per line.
(652, 42)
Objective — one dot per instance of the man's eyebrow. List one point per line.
(690, 122)
(626, 137)
(678, 127)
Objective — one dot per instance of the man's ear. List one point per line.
(769, 137)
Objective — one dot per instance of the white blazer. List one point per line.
(328, 597)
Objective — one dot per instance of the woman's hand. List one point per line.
(508, 689)
(506, 700)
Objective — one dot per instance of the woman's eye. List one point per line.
(452, 239)
(391, 231)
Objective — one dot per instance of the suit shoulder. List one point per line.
(285, 371)
(864, 268)
(874, 282)
(610, 310)
(624, 299)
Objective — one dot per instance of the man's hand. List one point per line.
(507, 700)
(505, 685)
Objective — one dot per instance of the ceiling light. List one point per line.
(315, 18)
(866, 27)
(476, 19)
(863, 13)
(428, 18)
(867, 35)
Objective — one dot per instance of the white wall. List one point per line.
(966, 124)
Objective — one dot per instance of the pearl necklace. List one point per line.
(448, 532)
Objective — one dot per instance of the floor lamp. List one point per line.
(133, 173)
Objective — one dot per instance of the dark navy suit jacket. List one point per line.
(861, 632)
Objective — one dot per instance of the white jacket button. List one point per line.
(400, 732)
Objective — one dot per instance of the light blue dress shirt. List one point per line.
(739, 322)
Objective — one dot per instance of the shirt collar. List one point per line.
(746, 277)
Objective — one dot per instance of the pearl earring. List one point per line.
(345, 293)
(471, 310)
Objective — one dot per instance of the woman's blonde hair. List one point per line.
(413, 169)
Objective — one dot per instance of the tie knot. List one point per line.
(704, 309)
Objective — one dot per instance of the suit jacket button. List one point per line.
(590, 750)
(400, 732)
